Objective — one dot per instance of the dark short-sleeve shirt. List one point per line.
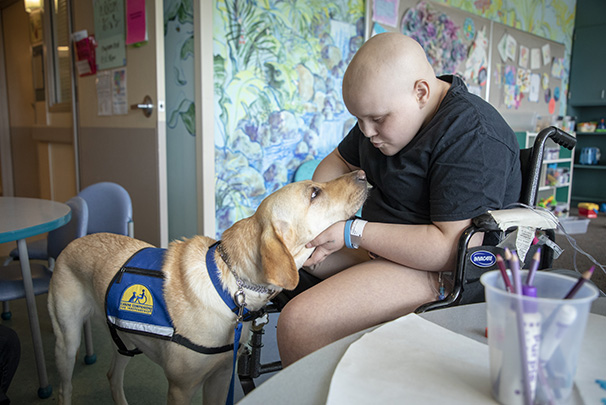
(462, 163)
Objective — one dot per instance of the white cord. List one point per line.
(570, 239)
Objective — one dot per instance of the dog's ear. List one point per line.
(278, 264)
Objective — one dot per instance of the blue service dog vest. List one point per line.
(135, 303)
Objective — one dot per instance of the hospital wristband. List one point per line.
(353, 232)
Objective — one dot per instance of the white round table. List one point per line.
(21, 218)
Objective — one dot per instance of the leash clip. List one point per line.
(240, 301)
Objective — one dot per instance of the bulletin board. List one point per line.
(519, 73)
(527, 77)
(456, 42)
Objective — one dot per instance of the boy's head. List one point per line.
(392, 90)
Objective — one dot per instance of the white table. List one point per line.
(21, 218)
(307, 381)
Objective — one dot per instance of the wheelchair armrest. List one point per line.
(515, 217)
(454, 297)
(497, 220)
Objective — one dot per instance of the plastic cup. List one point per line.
(544, 333)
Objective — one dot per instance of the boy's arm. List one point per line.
(431, 247)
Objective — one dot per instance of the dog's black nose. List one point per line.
(361, 175)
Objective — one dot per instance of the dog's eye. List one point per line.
(315, 191)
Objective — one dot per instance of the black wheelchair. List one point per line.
(465, 285)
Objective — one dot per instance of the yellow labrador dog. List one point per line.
(256, 258)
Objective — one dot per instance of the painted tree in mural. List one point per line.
(278, 67)
(180, 12)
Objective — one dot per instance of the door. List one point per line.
(128, 149)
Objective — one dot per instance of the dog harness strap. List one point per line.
(183, 341)
(236, 307)
(122, 349)
(213, 272)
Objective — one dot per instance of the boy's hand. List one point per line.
(329, 241)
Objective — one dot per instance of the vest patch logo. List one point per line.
(137, 298)
(482, 258)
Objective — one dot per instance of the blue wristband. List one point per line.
(347, 234)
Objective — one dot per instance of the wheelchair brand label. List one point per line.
(482, 258)
(137, 299)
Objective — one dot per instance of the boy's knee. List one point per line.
(287, 321)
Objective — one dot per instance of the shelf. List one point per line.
(591, 133)
(546, 188)
(561, 160)
(593, 167)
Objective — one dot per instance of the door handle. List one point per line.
(147, 106)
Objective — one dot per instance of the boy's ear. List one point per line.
(422, 92)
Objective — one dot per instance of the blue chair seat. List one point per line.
(36, 250)
(11, 280)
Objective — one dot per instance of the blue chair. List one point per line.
(110, 209)
(36, 250)
(306, 170)
(11, 280)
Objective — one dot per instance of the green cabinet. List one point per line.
(590, 180)
(587, 79)
(587, 97)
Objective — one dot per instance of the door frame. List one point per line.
(6, 157)
(205, 116)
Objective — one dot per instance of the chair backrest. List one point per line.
(59, 238)
(531, 160)
(306, 170)
(109, 208)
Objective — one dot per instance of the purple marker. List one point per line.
(531, 319)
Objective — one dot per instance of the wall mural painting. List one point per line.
(278, 68)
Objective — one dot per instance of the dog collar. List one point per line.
(241, 283)
(237, 304)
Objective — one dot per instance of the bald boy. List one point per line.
(436, 156)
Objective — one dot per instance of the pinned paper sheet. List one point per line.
(546, 52)
(385, 12)
(136, 22)
(535, 86)
(524, 56)
(412, 360)
(119, 96)
(535, 58)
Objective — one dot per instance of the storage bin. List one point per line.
(574, 225)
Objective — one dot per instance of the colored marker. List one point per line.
(565, 317)
(532, 335)
(503, 269)
(514, 263)
(534, 266)
(586, 276)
